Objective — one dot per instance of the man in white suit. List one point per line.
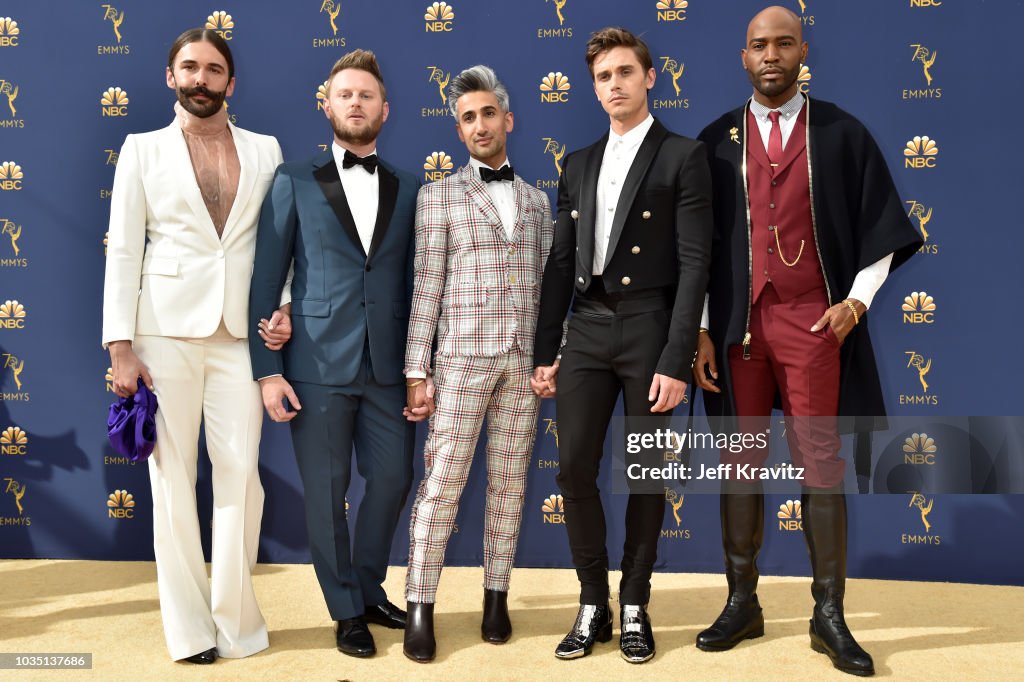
(184, 209)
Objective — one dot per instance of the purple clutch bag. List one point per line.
(131, 424)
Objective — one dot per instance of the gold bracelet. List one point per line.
(414, 384)
(853, 309)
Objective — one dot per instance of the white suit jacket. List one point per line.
(168, 273)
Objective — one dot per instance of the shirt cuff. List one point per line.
(869, 280)
(704, 317)
(415, 374)
(270, 376)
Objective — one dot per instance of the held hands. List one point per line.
(544, 381)
(705, 359)
(276, 331)
(841, 318)
(668, 391)
(127, 368)
(419, 398)
(275, 390)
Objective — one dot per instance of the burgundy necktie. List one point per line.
(775, 140)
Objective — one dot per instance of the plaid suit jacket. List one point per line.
(475, 290)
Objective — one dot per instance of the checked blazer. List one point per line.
(474, 289)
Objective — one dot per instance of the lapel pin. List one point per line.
(734, 135)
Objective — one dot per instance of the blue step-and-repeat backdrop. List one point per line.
(924, 76)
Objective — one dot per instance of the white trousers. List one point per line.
(206, 380)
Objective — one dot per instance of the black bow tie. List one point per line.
(503, 173)
(367, 162)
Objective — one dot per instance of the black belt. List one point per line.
(612, 306)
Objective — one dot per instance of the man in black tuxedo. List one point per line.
(633, 236)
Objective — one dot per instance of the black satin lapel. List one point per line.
(330, 184)
(644, 157)
(385, 207)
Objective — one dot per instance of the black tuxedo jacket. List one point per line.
(661, 238)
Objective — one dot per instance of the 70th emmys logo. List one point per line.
(18, 490)
(16, 366)
(9, 32)
(12, 315)
(559, 6)
(12, 232)
(332, 10)
(110, 14)
(924, 505)
(442, 79)
(562, 31)
(114, 102)
(672, 10)
(675, 500)
(439, 17)
(120, 505)
(927, 58)
(674, 68)
(10, 90)
(923, 214)
(920, 152)
(922, 366)
(557, 151)
(10, 177)
(437, 166)
(13, 441)
(918, 308)
(222, 23)
(805, 18)
(919, 449)
(553, 509)
(554, 87)
(924, 508)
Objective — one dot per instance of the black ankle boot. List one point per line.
(824, 517)
(742, 533)
(496, 627)
(593, 624)
(419, 644)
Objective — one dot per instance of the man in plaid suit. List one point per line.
(482, 237)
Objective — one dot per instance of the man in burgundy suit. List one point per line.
(807, 227)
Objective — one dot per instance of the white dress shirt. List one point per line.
(362, 191)
(502, 194)
(619, 154)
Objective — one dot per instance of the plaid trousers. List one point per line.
(466, 390)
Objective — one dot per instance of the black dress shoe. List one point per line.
(203, 657)
(386, 614)
(419, 644)
(740, 619)
(354, 638)
(636, 639)
(496, 627)
(593, 624)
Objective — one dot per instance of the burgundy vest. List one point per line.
(780, 206)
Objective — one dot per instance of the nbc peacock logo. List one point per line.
(321, 96)
(672, 10)
(790, 515)
(919, 448)
(439, 18)
(114, 102)
(553, 509)
(120, 505)
(555, 87)
(804, 79)
(108, 379)
(918, 308)
(9, 32)
(437, 166)
(11, 176)
(920, 152)
(13, 441)
(12, 315)
(221, 22)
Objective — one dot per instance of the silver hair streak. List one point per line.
(477, 78)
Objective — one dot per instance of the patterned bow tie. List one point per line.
(503, 173)
(367, 162)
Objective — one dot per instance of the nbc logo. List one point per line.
(12, 315)
(437, 166)
(120, 505)
(918, 308)
(9, 32)
(672, 10)
(439, 17)
(925, 3)
(13, 441)
(10, 176)
(221, 22)
(114, 102)
(921, 152)
(804, 79)
(790, 516)
(108, 378)
(321, 96)
(919, 449)
(554, 87)
(553, 509)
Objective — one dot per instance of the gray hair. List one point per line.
(477, 78)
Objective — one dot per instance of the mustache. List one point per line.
(201, 90)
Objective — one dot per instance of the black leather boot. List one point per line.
(742, 533)
(593, 624)
(496, 627)
(824, 515)
(419, 644)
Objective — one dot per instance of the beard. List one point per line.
(365, 134)
(778, 86)
(214, 104)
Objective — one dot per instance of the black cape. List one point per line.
(859, 219)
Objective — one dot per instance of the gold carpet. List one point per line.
(926, 631)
